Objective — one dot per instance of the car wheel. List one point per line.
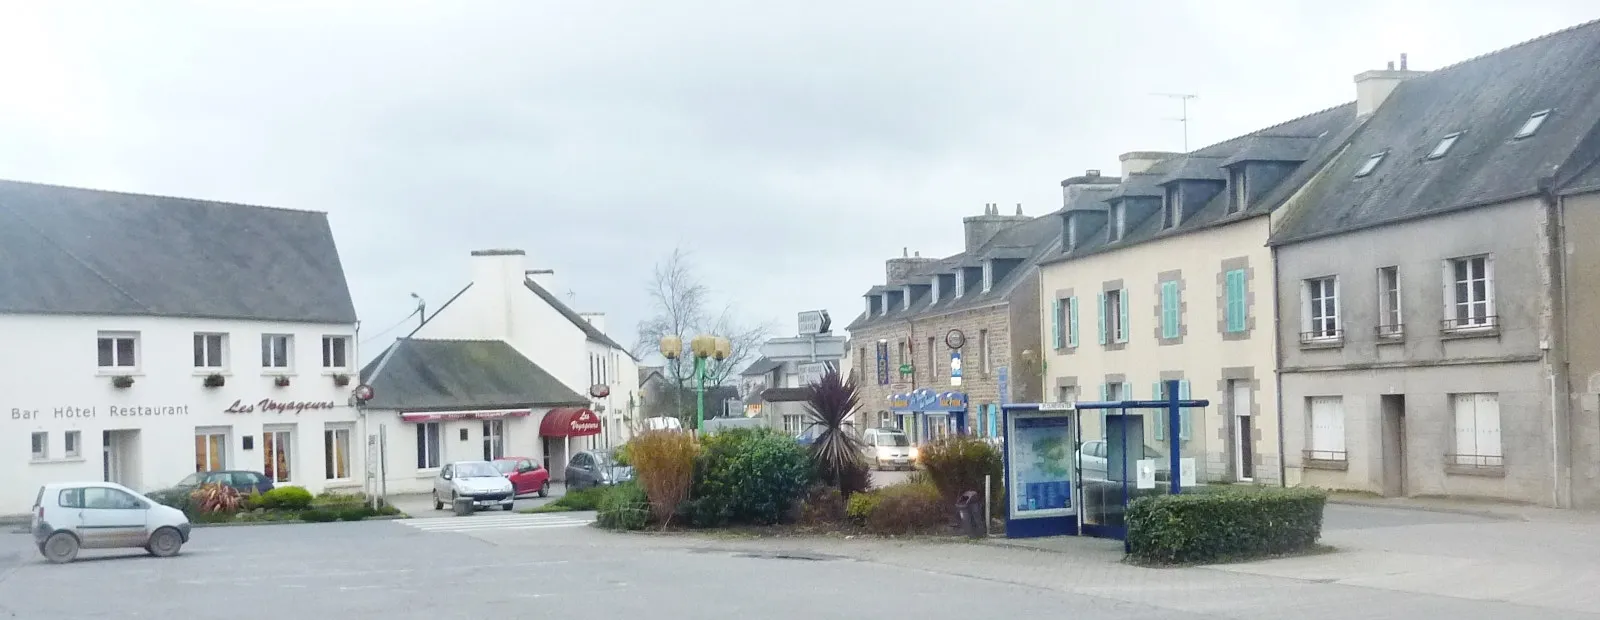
(508, 507)
(544, 489)
(165, 543)
(437, 505)
(60, 548)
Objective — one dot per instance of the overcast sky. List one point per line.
(792, 146)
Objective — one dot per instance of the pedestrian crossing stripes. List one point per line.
(488, 521)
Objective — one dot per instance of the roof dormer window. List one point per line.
(1372, 163)
(883, 305)
(905, 297)
(872, 306)
(988, 275)
(1531, 126)
(1119, 219)
(933, 291)
(1238, 199)
(1444, 145)
(1171, 210)
(961, 281)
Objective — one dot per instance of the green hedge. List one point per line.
(623, 507)
(1236, 523)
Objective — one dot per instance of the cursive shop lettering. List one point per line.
(278, 406)
(111, 411)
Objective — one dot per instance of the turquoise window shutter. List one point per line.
(1169, 309)
(1161, 417)
(1105, 395)
(1185, 430)
(1055, 321)
(1072, 321)
(1123, 315)
(1102, 304)
(1236, 300)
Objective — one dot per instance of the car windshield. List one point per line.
(893, 439)
(505, 467)
(479, 469)
(190, 480)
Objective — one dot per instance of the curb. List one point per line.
(293, 522)
(1471, 512)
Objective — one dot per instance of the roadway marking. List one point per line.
(478, 523)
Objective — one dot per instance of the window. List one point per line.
(1235, 298)
(1067, 394)
(209, 351)
(1477, 425)
(905, 297)
(933, 291)
(1471, 293)
(983, 350)
(961, 282)
(427, 445)
(336, 352)
(275, 447)
(988, 275)
(1531, 126)
(794, 424)
(1072, 321)
(1327, 428)
(74, 447)
(1119, 219)
(336, 453)
(1372, 164)
(900, 353)
(41, 446)
(1169, 207)
(1389, 324)
(1158, 417)
(933, 365)
(1444, 145)
(102, 498)
(494, 440)
(1321, 309)
(119, 350)
(1114, 316)
(277, 351)
(1058, 320)
(1237, 196)
(1111, 392)
(210, 450)
(1171, 319)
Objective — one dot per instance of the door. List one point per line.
(1393, 407)
(1244, 455)
(112, 518)
(442, 487)
(522, 477)
(276, 445)
(108, 457)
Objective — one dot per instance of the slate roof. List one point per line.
(67, 250)
(760, 367)
(593, 333)
(1488, 98)
(460, 375)
(1319, 134)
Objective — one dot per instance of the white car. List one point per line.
(103, 515)
(478, 480)
(887, 447)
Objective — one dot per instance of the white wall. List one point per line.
(50, 382)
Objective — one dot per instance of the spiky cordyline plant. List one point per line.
(837, 449)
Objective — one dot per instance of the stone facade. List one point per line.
(990, 323)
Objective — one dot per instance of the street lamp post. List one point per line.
(702, 347)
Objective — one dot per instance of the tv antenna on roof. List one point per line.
(1184, 98)
(572, 296)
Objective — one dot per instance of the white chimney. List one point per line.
(1373, 87)
(1135, 162)
(597, 319)
(495, 275)
(545, 278)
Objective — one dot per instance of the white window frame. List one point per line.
(72, 444)
(794, 423)
(329, 361)
(1532, 125)
(269, 359)
(116, 365)
(1315, 328)
(1237, 194)
(1372, 163)
(1444, 145)
(1454, 305)
(430, 445)
(1171, 211)
(988, 275)
(220, 453)
(278, 439)
(203, 355)
(1477, 440)
(905, 297)
(336, 442)
(1330, 444)
(1119, 221)
(494, 439)
(1391, 308)
(40, 444)
(961, 282)
(933, 291)
(1115, 331)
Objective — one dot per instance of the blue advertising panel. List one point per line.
(1041, 465)
(883, 363)
(955, 368)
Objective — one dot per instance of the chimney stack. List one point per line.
(1403, 66)
(1373, 87)
(1139, 161)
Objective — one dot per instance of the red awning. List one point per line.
(464, 415)
(570, 422)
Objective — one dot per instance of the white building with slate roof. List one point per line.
(150, 337)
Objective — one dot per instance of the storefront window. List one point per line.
(428, 445)
(275, 446)
(494, 441)
(336, 453)
(210, 450)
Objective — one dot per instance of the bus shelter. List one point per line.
(1064, 480)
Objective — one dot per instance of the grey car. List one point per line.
(593, 468)
(477, 480)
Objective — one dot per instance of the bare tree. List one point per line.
(680, 307)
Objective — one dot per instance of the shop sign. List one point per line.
(110, 411)
(279, 406)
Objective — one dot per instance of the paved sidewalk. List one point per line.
(420, 505)
(1469, 506)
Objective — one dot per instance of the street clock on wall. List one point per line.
(955, 339)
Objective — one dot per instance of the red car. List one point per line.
(527, 475)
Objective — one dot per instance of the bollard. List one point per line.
(967, 511)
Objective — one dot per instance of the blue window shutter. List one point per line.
(1102, 306)
(1124, 315)
(1055, 322)
(1072, 321)
(1169, 309)
(1161, 417)
(1236, 300)
(1184, 431)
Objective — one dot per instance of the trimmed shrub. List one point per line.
(663, 464)
(958, 464)
(747, 475)
(624, 507)
(356, 513)
(908, 509)
(582, 499)
(823, 504)
(286, 498)
(1231, 524)
(318, 515)
(861, 506)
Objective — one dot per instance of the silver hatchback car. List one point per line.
(479, 481)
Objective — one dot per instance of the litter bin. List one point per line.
(463, 506)
(969, 510)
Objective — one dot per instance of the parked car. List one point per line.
(477, 480)
(1092, 460)
(245, 482)
(889, 448)
(593, 468)
(103, 515)
(526, 475)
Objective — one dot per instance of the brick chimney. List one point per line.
(981, 228)
(897, 271)
(1373, 87)
(1134, 162)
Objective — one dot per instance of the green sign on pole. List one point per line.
(906, 369)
